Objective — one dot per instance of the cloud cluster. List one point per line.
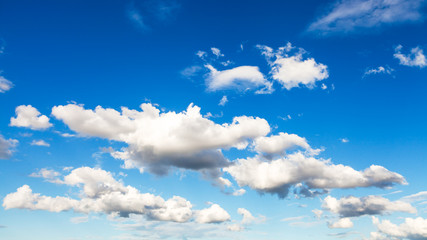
(370, 205)
(353, 15)
(297, 169)
(380, 70)
(101, 193)
(29, 117)
(415, 58)
(158, 141)
(5, 85)
(412, 228)
(7, 147)
(290, 69)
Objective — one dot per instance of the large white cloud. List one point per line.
(415, 58)
(102, 193)
(158, 140)
(370, 205)
(352, 15)
(290, 69)
(29, 117)
(239, 78)
(7, 147)
(5, 85)
(279, 175)
(412, 228)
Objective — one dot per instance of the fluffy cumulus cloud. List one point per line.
(158, 141)
(277, 176)
(7, 147)
(5, 85)
(353, 15)
(278, 144)
(240, 78)
(341, 223)
(101, 193)
(29, 117)
(369, 205)
(415, 58)
(411, 228)
(213, 214)
(291, 69)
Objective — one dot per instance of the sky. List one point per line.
(166, 119)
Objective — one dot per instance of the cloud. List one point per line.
(48, 174)
(279, 175)
(344, 140)
(217, 52)
(247, 219)
(7, 147)
(290, 69)
(40, 143)
(137, 18)
(241, 78)
(29, 117)
(412, 228)
(151, 12)
(415, 58)
(379, 70)
(101, 193)
(347, 16)
(223, 101)
(191, 71)
(213, 214)
(158, 141)
(341, 223)
(370, 205)
(5, 85)
(279, 144)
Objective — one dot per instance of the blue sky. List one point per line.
(213, 119)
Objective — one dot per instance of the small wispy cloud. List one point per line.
(344, 140)
(379, 70)
(415, 58)
(148, 13)
(41, 143)
(348, 16)
(223, 101)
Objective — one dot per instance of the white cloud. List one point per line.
(191, 71)
(378, 70)
(415, 58)
(292, 70)
(412, 228)
(48, 174)
(341, 223)
(352, 15)
(241, 78)
(236, 227)
(158, 141)
(223, 101)
(5, 85)
(213, 214)
(217, 52)
(279, 175)
(323, 86)
(370, 205)
(77, 220)
(40, 143)
(7, 147)
(420, 196)
(101, 193)
(239, 192)
(136, 17)
(247, 216)
(29, 117)
(344, 140)
(317, 213)
(278, 144)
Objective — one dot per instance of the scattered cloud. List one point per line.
(29, 117)
(277, 176)
(412, 228)
(379, 70)
(242, 78)
(279, 144)
(101, 193)
(370, 205)
(191, 71)
(415, 58)
(349, 16)
(40, 143)
(223, 101)
(417, 197)
(217, 52)
(341, 223)
(291, 69)
(147, 13)
(5, 85)
(48, 174)
(344, 140)
(7, 147)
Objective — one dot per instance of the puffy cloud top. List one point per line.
(29, 117)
